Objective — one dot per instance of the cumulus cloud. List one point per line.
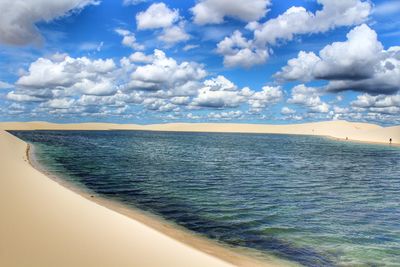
(294, 21)
(214, 11)
(174, 34)
(258, 101)
(165, 73)
(158, 15)
(359, 64)
(129, 39)
(297, 20)
(18, 19)
(287, 111)
(308, 97)
(219, 92)
(378, 103)
(64, 75)
(238, 51)
(140, 57)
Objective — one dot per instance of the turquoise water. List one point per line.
(311, 200)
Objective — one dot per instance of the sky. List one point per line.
(244, 61)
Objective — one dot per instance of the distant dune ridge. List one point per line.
(364, 132)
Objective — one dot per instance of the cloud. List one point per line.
(140, 57)
(226, 115)
(219, 92)
(64, 75)
(214, 11)
(132, 2)
(294, 21)
(378, 103)
(19, 17)
(22, 97)
(129, 39)
(174, 34)
(166, 74)
(308, 97)
(359, 64)
(300, 68)
(287, 111)
(387, 8)
(190, 47)
(4, 85)
(297, 20)
(158, 15)
(258, 101)
(238, 51)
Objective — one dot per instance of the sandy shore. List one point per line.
(45, 224)
(363, 132)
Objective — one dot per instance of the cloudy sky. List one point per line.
(143, 61)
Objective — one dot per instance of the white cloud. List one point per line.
(238, 51)
(260, 100)
(219, 92)
(300, 68)
(297, 20)
(308, 97)
(359, 64)
(166, 74)
(22, 97)
(19, 17)
(63, 75)
(214, 11)
(226, 115)
(4, 85)
(129, 39)
(174, 34)
(387, 8)
(190, 47)
(140, 57)
(158, 15)
(58, 103)
(287, 111)
(378, 103)
(132, 2)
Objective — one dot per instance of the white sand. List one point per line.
(44, 224)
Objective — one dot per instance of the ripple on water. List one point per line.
(308, 199)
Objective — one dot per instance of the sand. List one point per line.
(46, 224)
(363, 132)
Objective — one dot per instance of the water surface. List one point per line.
(311, 200)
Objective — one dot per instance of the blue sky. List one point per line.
(260, 61)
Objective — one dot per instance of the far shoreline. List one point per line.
(236, 256)
(336, 129)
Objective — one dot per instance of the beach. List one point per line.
(46, 224)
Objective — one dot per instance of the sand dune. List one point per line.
(364, 132)
(44, 224)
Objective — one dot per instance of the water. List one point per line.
(311, 200)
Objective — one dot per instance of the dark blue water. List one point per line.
(311, 200)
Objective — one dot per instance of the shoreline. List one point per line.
(236, 256)
(45, 224)
(339, 130)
